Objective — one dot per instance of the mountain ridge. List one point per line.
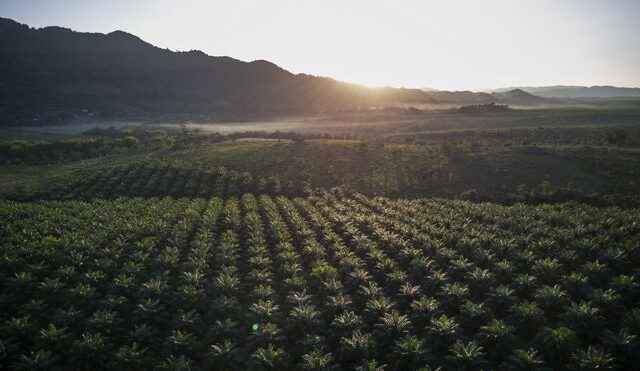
(576, 91)
(58, 70)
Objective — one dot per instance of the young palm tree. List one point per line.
(181, 341)
(35, 360)
(91, 350)
(173, 363)
(467, 356)
(316, 360)
(370, 365)
(337, 303)
(529, 317)
(269, 358)
(585, 319)
(142, 333)
(444, 330)
(264, 310)
(557, 344)
(393, 324)
(409, 292)
(499, 335)
(408, 353)
(225, 355)
(377, 307)
(551, 298)
(593, 358)
(524, 360)
(423, 309)
(304, 316)
(357, 347)
(130, 356)
(345, 323)
(474, 314)
(55, 338)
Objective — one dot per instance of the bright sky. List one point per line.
(455, 45)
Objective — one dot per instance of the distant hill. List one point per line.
(519, 96)
(462, 97)
(579, 92)
(482, 108)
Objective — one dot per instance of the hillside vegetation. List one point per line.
(595, 165)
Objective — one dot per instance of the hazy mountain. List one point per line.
(520, 97)
(57, 69)
(55, 72)
(579, 92)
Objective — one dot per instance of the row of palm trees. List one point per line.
(170, 178)
(328, 282)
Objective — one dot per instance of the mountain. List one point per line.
(50, 74)
(520, 97)
(579, 92)
(57, 70)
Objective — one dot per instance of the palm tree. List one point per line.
(316, 360)
(224, 328)
(130, 356)
(474, 314)
(357, 347)
(377, 307)
(36, 360)
(304, 316)
(142, 333)
(338, 303)
(264, 310)
(469, 356)
(408, 353)
(269, 358)
(552, 298)
(444, 329)
(524, 360)
(453, 294)
(423, 309)
(499, 335)
(173, 363)
(91, 350)
(528, 316)
(408, 293)
(370, 365)
(557, 344)
(265, 333)
(593, 359)
(547, 270)
(584, 318)
(181, 340)
(393, 324)
(624, 342)
(224, 355)
(347, 321)
(54, 337)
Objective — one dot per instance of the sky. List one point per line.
(451, 45)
